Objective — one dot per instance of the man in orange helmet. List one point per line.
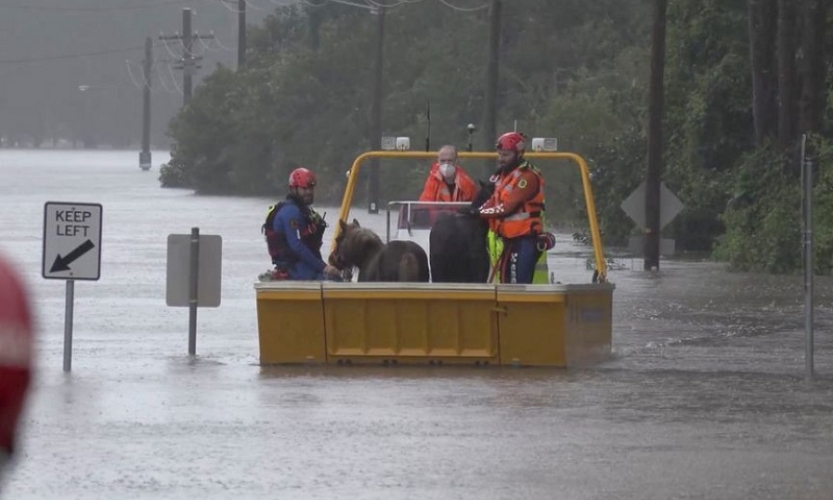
(515, 210)
(295, 233)
(16, 355)
(447, 181)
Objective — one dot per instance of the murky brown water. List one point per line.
(703, 398)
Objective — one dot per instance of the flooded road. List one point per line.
(703, 399)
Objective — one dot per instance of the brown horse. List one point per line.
(395, 261)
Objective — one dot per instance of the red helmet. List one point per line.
(512, 141)
(301, 178)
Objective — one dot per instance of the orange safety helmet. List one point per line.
(302, 178)
(513, 141)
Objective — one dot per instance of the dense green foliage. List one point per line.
(572, 69)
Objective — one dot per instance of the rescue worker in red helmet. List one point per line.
(515, 210)
(295, 233)
(16, 356)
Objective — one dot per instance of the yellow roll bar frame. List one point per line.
(347, 201)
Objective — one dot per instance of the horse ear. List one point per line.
(342, 225)
(356, 223)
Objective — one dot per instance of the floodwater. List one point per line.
(704, 397)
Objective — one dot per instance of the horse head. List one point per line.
(337, 258)
(483, 194)
(353, 244)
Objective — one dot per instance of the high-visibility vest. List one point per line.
(541, 276)
(527, 219)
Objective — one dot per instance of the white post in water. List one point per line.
(807, 178)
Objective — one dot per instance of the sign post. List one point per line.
(194, 275)
(71, 251)
(634, 207)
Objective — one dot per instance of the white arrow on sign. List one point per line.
(669, 205)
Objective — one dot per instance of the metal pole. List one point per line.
(376, 113)
(387, 229)
(193, 278)
(68, 325)
(807, 174)
(492, 82)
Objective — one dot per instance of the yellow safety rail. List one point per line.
(346, 202)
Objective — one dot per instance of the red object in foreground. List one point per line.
(16, 352)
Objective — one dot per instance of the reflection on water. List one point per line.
(703, 398)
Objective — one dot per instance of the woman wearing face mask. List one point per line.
(447, 181)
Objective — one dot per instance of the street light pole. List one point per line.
(492, 71)
(376, 114)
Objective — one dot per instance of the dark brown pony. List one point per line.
(459, 244)
(395, 261)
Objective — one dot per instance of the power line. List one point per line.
(463, 9)
(133, 78)
(389, 5)
(90, 9)
(236, 10)
(69, 56)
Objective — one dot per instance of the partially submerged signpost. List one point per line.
(71, 251)
(634, 207)
(194, 275)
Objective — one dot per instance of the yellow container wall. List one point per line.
(408, 326)
(524, 325)
(291, 326)
(589, 326)
(531, 326)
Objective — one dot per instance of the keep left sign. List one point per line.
(71, 240)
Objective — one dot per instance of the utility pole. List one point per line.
(241, 33)
(187, 56)
(376, 113)
(655, 112)
(144, 155)
(189, 63)
(490, 113)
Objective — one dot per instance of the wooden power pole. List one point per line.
(189, 62)
(655, 111)
(144, 155)
(241, 34)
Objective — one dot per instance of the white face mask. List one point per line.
(447, 170)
